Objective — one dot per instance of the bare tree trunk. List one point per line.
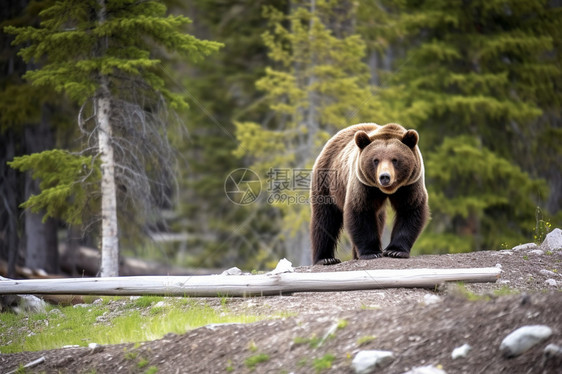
(109, 266)
(109, 230)
(250, 285)
(9, 227)
(41, 245)
(41, 250)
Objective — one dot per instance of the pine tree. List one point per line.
(475, 80)
(104, 55)
(318, 84)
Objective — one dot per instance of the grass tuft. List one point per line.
(252, 361)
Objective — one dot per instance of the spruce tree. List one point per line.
(476, 80)
(104, 55)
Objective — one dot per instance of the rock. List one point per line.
(553, 350)
(95, 347)
(430, 369)
(429, 299)
(232, 271)
(523, 339)
(538, 252)
(461, 352)
(283, 266)
(56, 312)
(30, 304)
(553, 240)
(548, 273)
(553, 355)
(366, 361)
(524, 247)
(551, 282)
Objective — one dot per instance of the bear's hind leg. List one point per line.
(325, 226)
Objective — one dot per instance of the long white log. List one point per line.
(249, 285)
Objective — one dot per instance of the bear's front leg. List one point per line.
(362, 226)
(412, 213)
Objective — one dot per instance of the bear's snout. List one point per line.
(384, 179)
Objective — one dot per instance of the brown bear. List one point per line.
(357, 171)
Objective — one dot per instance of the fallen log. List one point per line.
(250, 285)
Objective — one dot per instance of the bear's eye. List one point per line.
(376, 161)
(394, 161)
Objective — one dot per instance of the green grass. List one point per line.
(252, 361)
(323, 363)
(363, 340)
(78, 326)
(313, 342)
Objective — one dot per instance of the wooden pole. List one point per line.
(249, 285)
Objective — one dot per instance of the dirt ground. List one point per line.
(326, 330)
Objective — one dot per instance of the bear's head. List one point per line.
(388, 158)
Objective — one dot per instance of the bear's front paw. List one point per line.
(396, 253)
(370, 256)
(328, 261)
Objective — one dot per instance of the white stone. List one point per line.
(538, 252)
(548, 273)
(93, 345)
(430, 369)
(283, 266)
(461, 352)
(214, 326)
(232, 271)
(30, 304)
(553, 350)
(429, 299)
(551, 282)
(366, 361)
(553, 240)
(523, 247)
(523, 339)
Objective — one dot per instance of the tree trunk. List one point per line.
(41, 245)
(109, 231)
(250, 285)
(109, 266)
(9, 227)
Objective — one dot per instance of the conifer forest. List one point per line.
(184, 132)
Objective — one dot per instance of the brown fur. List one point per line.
(357, 171)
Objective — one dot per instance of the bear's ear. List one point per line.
(411, 138)
(362, 139)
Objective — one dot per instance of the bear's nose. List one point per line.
(384, 178)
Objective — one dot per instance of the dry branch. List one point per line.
(249, 285)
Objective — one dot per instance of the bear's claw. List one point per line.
(371, 256)
(329, 261)
(396, 254)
